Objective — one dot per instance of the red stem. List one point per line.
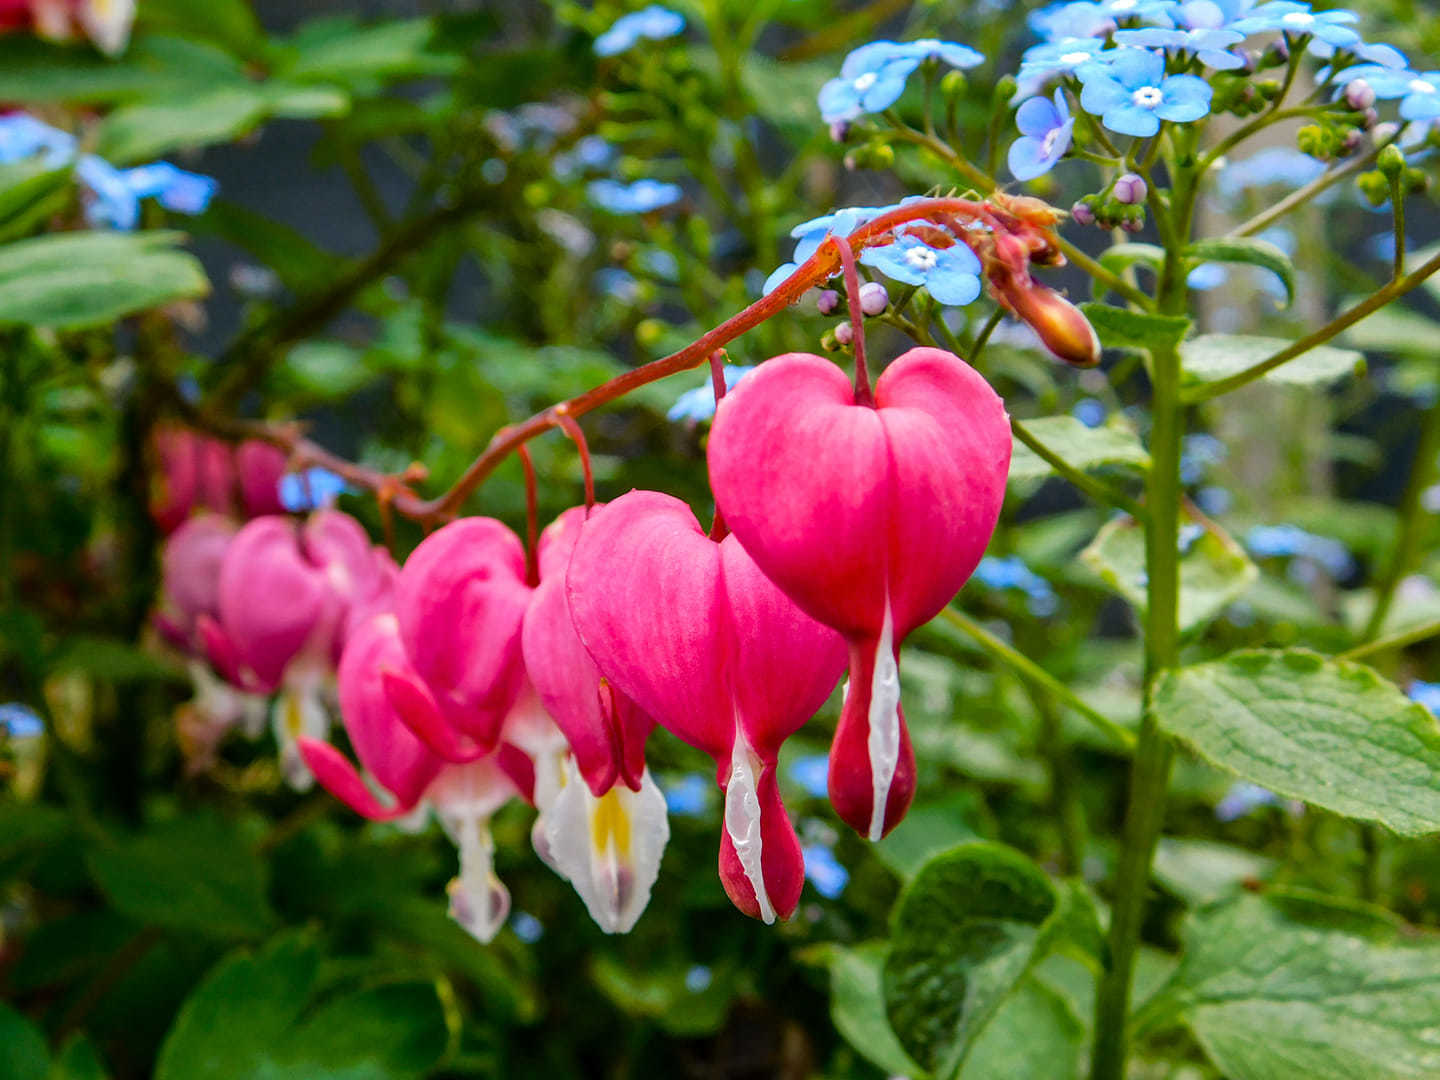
(863, 394)
(571, 428)
(718, 529)
(395, 490)
(532, 548)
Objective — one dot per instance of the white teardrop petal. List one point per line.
(883, 740)
(479, 901)
(742, 822)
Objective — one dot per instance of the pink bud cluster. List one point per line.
(193, 472)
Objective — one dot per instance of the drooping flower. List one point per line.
(640, 197)
(949, 274)
(870, 517)
(1130, 92)
(701, 640)
(698, 404)
(408, 774)
(606, 828)
(189, 472)
(654, 22)
(1045, 130)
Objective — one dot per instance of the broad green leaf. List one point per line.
(30, 191)
(1034, 1036)
(155, 67)
(1394, 329)
(1120, 328)
(966, 932)
(69, 281)
(398, 48)
(1212, 357)
(930, 829)
(23, 1053)
(1248, 250)
(684, 1000)
(294, 258)
(1114, 443)
(1199, 871)
(1214, 569)
(255, 1016)
(328, 370)
(195, 873)
(1291, 986)
(229, 23)
(1329, 732)
(1120, 257)
(77, 1060)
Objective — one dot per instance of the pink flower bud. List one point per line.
(845, 334)
(1082, 214)
(873, 298)
(260, 467)
(1359, 95)
(1130, 189)
(828, 302)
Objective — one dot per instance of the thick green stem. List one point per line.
(1150, 773)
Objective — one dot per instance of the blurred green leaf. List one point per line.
(1120, 328)
(1120, 257)
(1248, 250)
(1295, 986)
(229, 23)
(1113, 443)
(78, 1060)
(1214, 569)
(197, 873)
(1212, 357)
(394, 49)
(30, 192)
(69, 281)
(689, 1000)
(1328, 732)
(857, 1006)
(1199, 871)
(156, 67)
(23, 1053)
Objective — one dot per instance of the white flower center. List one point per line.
(1074, 57)
(921, 258)
(1298, 18)
(1421, 86)
(866, 81)
(928, 44)
(1147, 97)
(1122, 5)
(1047, 144)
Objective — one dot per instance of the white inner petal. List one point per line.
(609, 848)
(1421, 86)
(1298, 18)
(550, 782)
(884, 738)
(866, 81)
(921, 258)
(742, 821)
(1147, 97)
(1047, 145)
(478, 900)
(1074, 57)
(299, 710)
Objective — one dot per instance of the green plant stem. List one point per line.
(1412, 520)
(1150, 772)
(1096, 489)
(1397, 287)
(1300, 196)
(1394, 641)
(1397, 208)
(1032, 671)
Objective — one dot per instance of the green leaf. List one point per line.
(30, 192)
(394, 49)
(1212, 357)
(1120, 328)
(665, 995)
(967, 930)
(23, 1053)
(930, 829)
(1291, 986)
(249, 1018)
(857, 1006)
(70, 281)
(78, 1060)
(1214, 569)
(1120, 257)
(1034, 1036)
(1329, 732)
(155, 67)
(296, 261)
(195, 873)
(1199, 871)
(1248, 250)
(229, 23)
(328, 370)
(1114, 443)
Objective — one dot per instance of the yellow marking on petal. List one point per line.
(294, 717)
(610, 824)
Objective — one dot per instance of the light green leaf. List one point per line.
(329, 370)
(1331, 733)
(69, 281)
(1291, 986)
(967, 930)
(857, 1006)
(1199, 871)
(1114, 443)
(1393, 329)
(77, 1060)
(23, 1053)
(1212, 357)
(229, 23)
(30, 192)
(392, 49)
(1214, 569)
(1120, 328)
(254, 1016)
(1120, 257)
(666, 995)
(194, 873)
(930, 829)
(1248, 250)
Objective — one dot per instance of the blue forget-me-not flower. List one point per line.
(1045, 131)
(951, 275)
(1289, 17)
(1130, 92)
(872, 77)
(310, 490)
(654, 22)
(641, 197)
(699, 404)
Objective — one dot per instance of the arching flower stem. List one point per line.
(863, 394)
(532, 555)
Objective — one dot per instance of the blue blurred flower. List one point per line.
(1214, 501)
(591, 153)
(688, 796)
(1209, 275)
(1419, 92)
(20, 721)
(951, 275)
(699, 404)
(1426, 693)
(654, 22)
(1212, 14)
(1291, 541)
(176, 189)
(1242, 799)
(1078, 19)
(1199, 451)
(1045, 132)
(871, 79)
(22, 136)
(641, 197)
(1274, 165)
(1089, 412)
(527, 927)
(812, 772)
(824, 871)
(1212, 47)
(1290, 17)
(1010, 572)
(1130, 92)
(947, 52)
(311, 490)
(1387, 56)
(698, 979)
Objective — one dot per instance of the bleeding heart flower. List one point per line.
(461, 599)
(192, 472)
(700, 639)
(464, 797)
(260, 467)
(606, 828)
(284, 590)
(190, 577)
(870, 517)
